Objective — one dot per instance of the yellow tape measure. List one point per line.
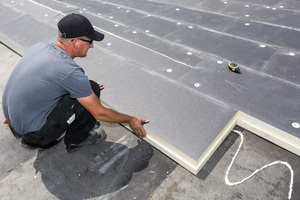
(234, 67)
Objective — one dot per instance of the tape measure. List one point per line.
(234, 67)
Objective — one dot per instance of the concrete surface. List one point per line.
(125, 167)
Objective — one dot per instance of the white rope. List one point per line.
(257, 170)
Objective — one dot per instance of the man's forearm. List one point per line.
(135, 123)
(109, 115)
(93, 105)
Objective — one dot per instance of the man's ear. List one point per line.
(74, 43)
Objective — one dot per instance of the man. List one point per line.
(48, 93)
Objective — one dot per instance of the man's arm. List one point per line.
(99, 112)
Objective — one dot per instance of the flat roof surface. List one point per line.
(167, 60)
(126, 167)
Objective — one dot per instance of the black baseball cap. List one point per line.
(76, 25)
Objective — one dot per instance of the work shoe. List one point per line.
(95, 136)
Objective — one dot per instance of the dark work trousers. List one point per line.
(62, 119)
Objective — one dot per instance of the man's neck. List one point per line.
(65, 47)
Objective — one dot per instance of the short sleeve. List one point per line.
(78, 84)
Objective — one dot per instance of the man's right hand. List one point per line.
(136, 125)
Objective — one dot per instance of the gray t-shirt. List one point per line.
(44, 74)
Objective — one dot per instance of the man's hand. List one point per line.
(101, 86)
(99, 112)
(136, 125)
